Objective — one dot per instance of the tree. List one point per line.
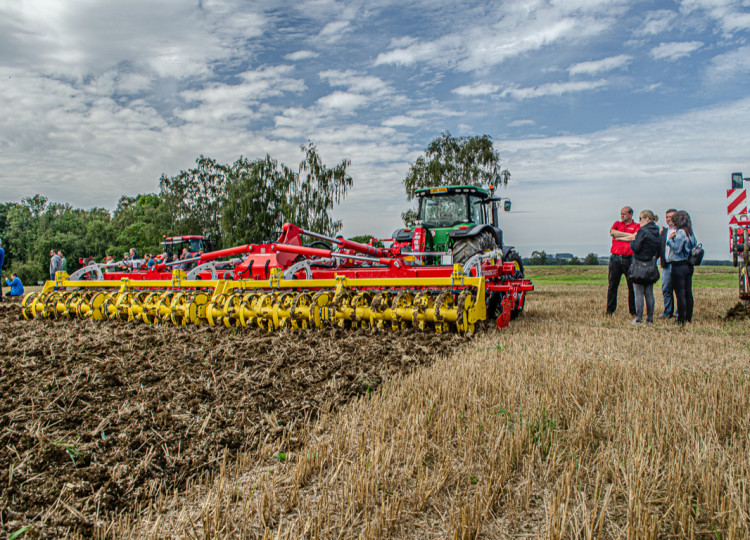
(539, 258)
(455, 161)
(262, 195)
(591, 259)
(574, 261)
(139, 222)
(195, 198)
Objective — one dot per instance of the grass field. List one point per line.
(705, 276)
(565, 425)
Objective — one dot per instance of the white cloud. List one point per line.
(729, 66)
(597, 66)
(511, 30)
(675, 50)
(657, 22)
(345, 102)
(402, 121)
(552, 89)
(301, 55)
(477, 89)
(521, 123)
(732, 15)
(355, 82)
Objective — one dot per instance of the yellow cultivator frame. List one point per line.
(453, 303)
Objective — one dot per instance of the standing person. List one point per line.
(55, 264)
(622, 232)
(680, 243)
(645, 247)
(63, 261)
(2, 260)
(667, 291)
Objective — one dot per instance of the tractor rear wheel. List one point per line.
(515, 258)
(465, 248)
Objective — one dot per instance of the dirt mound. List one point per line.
(740, 311)
(97, 417)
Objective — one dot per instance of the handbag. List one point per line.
(695, 258)
(643, 272)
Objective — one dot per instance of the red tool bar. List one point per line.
(348, 244)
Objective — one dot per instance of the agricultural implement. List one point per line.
(331, 282)
(739, 232)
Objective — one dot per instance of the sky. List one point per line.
(592, 104)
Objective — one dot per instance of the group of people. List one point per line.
(643, 241)
(16, 287)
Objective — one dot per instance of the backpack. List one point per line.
(695, 257)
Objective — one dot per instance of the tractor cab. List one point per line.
(449, 212)
(193, 243)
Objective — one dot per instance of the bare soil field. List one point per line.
(97, 419)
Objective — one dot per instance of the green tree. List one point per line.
(575, 261)
(262, 195)
(195, 198)
(139, 222)
(454, 161)
(539, 258)
(591, 259)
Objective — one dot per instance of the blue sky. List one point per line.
(592, 104)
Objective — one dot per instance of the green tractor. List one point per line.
(462, 220)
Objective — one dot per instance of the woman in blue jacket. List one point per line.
(680, 242)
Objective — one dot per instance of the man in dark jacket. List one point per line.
(666, 269)
(2, 260)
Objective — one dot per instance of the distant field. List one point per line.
(705, 276)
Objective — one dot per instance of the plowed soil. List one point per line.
(97, 417)
(740, 311)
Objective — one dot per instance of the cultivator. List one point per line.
(739, 232)
(288, 285)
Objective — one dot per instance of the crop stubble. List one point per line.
(100, 418)
(569, 424)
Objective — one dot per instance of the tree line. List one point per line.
(245, 202)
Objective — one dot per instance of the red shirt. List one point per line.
(622, 247)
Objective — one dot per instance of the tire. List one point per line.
(514, 257)
(465, 248)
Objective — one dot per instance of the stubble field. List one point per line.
(567, 424)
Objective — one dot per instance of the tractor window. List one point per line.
(443, 210)
(196, 244)
(477, 210)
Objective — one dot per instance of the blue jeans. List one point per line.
(667, 291)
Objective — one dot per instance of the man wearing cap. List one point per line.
(620, 258)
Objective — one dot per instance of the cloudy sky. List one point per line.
(592, 104)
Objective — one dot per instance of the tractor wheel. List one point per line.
(515, 258)
(465, 248)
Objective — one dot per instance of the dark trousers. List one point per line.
(618, 266)
(682, 282)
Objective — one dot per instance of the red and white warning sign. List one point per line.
(736, 201)
(741, 219)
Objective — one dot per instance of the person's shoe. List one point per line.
(650, 321)
(636, 321)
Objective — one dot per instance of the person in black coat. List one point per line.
(645, 247)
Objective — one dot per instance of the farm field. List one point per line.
(566, 424)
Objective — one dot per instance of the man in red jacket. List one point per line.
(620, 258)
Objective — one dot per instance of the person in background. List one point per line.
(55, 264)
(621, 256)
(680, 242)
(645, 247)
(16, 287)
(150, 262)
(133, 254)
(63, 261)
(2, 260)
(666, 268)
